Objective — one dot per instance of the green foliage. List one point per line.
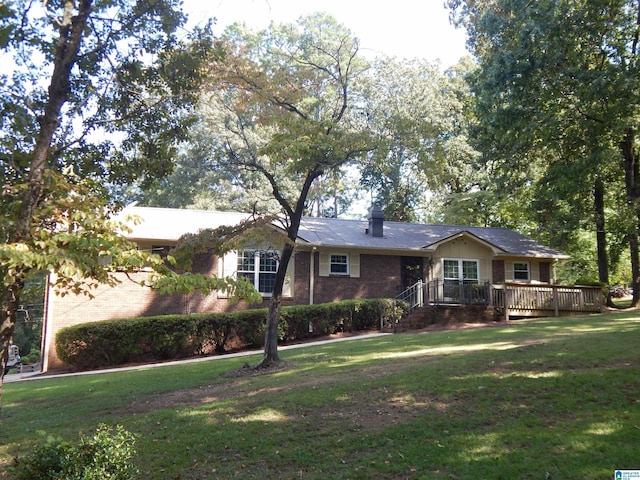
(114, 342)
(480, 403)
(106, 454)
(34, 356)
(97, 98)
(557, 108)
(419, 118)
(46, 461)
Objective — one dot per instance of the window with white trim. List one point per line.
(461, 270)
(339, 264)
(260, 268)
(521, 271)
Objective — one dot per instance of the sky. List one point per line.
(401, 28)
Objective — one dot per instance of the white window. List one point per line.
(521, 271)
(259, 268)
(465, 271)
(339, 264)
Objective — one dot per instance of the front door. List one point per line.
(459, 276)
(411, 271)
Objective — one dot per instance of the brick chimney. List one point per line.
(376, 222)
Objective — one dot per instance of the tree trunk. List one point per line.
(69, 40)
(273, 317)
(271, 333)
(630, 161)
(10, 300)
(270, 355)
(601, 236)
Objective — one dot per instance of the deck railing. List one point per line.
(413, 296)
(458, 292)
(439, 292)
(528, 299)
(512, 299)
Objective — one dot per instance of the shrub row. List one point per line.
(114, 342)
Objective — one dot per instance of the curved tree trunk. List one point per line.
(273, 316)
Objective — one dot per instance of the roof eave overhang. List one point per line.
(360, 248)
(160, 241)
(465, 234)
(559, 256)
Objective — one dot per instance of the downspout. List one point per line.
(312, 272)
(46, 344)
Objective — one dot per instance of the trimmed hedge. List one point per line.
(114, 342)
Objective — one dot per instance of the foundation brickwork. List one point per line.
(447, 315)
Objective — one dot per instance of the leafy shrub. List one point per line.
(32, 357)
(105, 454)
(588, 281)
(113, 342)
(46, 461)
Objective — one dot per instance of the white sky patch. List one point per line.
(403, 28)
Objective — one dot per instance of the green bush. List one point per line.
(114, 342)
(105, 454)
(32, 357)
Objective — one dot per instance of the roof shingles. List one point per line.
(169, 224)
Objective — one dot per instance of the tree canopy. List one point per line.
(556, 89)
(111, 112)
(282, 106)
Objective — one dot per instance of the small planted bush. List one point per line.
(108, 453)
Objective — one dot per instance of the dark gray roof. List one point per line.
(331, 232)
(167, 224)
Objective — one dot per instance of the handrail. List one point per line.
(413, 296)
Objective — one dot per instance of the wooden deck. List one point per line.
(509, 300)
(527, 300)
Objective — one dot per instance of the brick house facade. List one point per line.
(334, 260)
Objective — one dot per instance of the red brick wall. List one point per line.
(129, 299)
(379, 278)
(301, 278)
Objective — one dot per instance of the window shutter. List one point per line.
(287, 288)
(534, 271)
(229, 265)
(509, 271)
(323, 264)
(354, 265)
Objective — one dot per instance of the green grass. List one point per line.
(540, 398)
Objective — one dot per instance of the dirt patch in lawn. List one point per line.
(383, 406)
(237, 385)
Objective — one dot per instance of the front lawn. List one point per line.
(546, 398)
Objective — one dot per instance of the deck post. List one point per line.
(554, 293)
(507, 302)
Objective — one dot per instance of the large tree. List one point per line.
(96, 96)
(558, 80)
(283, 105)
(418, 113)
